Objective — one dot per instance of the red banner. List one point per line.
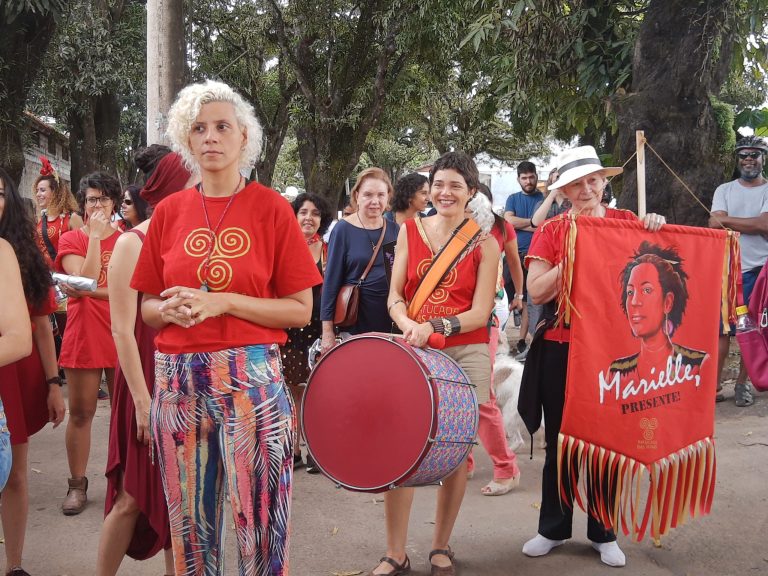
(644, 311)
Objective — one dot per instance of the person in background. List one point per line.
(506, 473)
(554, 203)
(350, 250)
(87, 349)
(136, 520)
(519, 211)
(742, 205)
(134, 208)
(314, 216)
(30, 387)
(224, 270)
(410, 199)
(57, 209)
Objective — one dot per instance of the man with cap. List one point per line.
(519, 211)
(742, 205)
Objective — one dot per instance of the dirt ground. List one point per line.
(335, 532)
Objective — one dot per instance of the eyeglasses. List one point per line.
(126, 201)
(93, 200)
(744, 155)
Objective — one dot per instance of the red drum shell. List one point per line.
(369, 411)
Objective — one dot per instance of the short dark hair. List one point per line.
(462, 163)
(107, 184)
(405, 189)
(326, 216)
(526, 168)
(147, 159)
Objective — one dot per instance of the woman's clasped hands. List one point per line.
(187, 307)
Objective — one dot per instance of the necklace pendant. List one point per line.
(204, 287)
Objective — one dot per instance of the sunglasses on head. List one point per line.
(127, 201)
(754, 155)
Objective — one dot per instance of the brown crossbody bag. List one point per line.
(348, 298)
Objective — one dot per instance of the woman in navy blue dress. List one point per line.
(350, 249)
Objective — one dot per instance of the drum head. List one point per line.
(368, 412)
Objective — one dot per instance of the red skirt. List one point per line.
(25, 396)
(129, 459)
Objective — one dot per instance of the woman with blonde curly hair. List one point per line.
(58, 210)
(224, 270)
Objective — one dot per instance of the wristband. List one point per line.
(455, 324)
(519, 296)
(531, 223)
(54, 380)
(437, 325)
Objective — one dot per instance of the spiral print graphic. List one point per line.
(105, 256)
(442, 291)
(219, 274)
(197, 243)
(232, 243)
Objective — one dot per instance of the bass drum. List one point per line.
(378, 414)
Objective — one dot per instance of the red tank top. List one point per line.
(453, 295)
(54, 229)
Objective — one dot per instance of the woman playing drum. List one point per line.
(459, 308)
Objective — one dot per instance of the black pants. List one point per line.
(556, 517)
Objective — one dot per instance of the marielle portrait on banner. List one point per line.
(654, 295)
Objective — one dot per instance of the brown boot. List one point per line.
(76, 498)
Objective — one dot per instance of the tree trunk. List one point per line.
(23, 44)
(93, 137)
(682, 55)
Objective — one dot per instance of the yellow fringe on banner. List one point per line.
(564, 304)
(611, 488)
(731, 276)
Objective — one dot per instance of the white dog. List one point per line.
(507, 374)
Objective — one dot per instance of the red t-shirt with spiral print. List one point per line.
(257, 250)
(453, 295)
(88, 338)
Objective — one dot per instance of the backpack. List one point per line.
(754, 345)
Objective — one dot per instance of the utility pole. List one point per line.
(166, 63)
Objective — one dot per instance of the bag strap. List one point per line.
(44, 234)
(442, 263)
(375, 252)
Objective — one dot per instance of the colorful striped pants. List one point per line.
(221, 417)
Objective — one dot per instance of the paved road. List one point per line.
(339, 532)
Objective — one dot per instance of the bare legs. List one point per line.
(14, 507)
(83, 390)
(397, 505)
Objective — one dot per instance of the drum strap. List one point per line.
(443, 263)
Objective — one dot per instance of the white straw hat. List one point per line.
(577, 163)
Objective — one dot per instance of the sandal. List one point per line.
(494, 488)
(399, 569)
(743, 395)
(442, 570)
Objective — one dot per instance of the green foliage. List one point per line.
(12, 9)
(556, 64)
(99, 50)
(724, 118)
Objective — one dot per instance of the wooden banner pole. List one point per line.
(640, 144)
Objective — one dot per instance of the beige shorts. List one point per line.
(475, 360)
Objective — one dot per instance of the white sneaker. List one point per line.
(540, 546)
(610, 553)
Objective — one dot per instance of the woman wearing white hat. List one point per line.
(582, 179)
